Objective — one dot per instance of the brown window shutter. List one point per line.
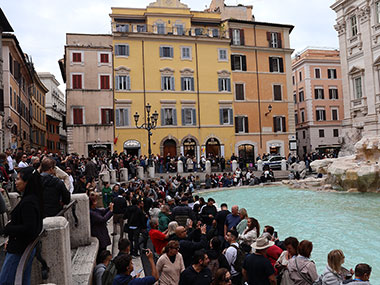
(104, 116)
(279, 40)
(283, 124)
(275, 128)
(230, 35)
(242, 37)
(246, 124)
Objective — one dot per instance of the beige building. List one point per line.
(358, 27)
(87, 72)
(318, 100)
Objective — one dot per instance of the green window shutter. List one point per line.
(231, 116)
(117, 115)
(174, 117)
(194, 117)
(128, 82)
(162, 117)
(228, 84)
(192, 83)
(183, 116)
(182, 83)
(117, 82)
(220, 84)
(161, 51)
(172, 83)
(221, 116)
(162, 83)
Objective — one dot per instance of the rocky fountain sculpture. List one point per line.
(359, 172)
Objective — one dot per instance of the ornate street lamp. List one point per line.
(149, 124)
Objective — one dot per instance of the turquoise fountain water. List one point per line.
(347, 221)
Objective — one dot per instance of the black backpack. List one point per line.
(238, 264)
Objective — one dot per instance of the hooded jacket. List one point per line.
(306, 268)
(55, 194)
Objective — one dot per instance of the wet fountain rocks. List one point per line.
(359, 172)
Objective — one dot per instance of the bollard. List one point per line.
(140, 172)
(14, 198)
(260, 165)
(113, 176)
(179, 167)
(56, 252)
(234, 165)
(151, 173)
(104, 176)
(208, 167)
(283, 164)
(79, 234)
(124, 175)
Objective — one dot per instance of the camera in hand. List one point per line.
(144, 250)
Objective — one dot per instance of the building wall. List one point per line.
(17, 119)
(91, 98)
(55, 106)
(360, 58)
(258, 83)
(203, 66)
(38, 112)
(52, 135)
(306, 63)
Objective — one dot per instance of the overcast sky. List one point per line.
(41, 25)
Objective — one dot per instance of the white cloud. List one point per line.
(41, 25)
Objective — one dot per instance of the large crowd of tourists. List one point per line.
(184, 238)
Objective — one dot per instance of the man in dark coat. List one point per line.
(90, 169)
(136, 222)
(55, 194)
(183, 212)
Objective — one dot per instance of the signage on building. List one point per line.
(132, 144)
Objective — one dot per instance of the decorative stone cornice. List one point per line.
(364, 13)
(340, 27)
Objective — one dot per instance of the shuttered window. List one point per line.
(224, 84)
(239, 91)
(167, 83)
(274, 40)
(77, 81)
(237, 37)
(276, 64)
(168, 117)
(226, 116)
(279, 124)
(319, 93)
(104, 82)
(241, 124)
(320, 115)
(166, 52)
(277, 93)
(238, 62)
(77, 56)
(187, 83)
(188, 116)
(122, 117)
(333, 93)
(123, 82)
(104, 58)
(122, 50)
(106, 116)
(77, 116)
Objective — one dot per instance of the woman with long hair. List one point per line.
(222, 277)
(170, 264)
(251, 232)
(335, 274)
(25, 224)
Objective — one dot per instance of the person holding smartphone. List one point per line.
(124, 267)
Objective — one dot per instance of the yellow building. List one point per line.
(177, 60)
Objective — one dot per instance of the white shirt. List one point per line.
(71, 187)
(10, 162)
(22, 164)
(231, 254)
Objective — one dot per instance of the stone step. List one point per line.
(83, 263)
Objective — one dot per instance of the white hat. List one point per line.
(262, 243)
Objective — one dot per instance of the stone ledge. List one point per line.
(83, 263)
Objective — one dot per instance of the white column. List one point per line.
(222, 150)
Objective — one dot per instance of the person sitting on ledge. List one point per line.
(124, 267)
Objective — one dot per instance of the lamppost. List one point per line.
(149, 124)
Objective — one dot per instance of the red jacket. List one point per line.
(158, 239)
(273, 253)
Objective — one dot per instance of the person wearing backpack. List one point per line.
(257, 269)
(217, 258)
(235, 256)
(103, 260)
